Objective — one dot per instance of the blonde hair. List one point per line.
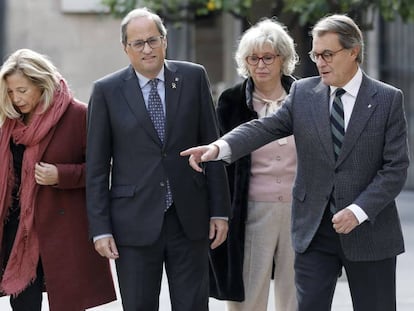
(35, 67)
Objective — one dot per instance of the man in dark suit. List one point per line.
(352, 163)
(157, 209)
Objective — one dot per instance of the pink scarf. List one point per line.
(22, 264)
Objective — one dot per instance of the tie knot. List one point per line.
(154, 83)
(339, 92)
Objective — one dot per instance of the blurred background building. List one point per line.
(83, 41)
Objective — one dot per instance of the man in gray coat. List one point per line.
(351, 138)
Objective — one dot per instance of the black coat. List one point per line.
(226, 262)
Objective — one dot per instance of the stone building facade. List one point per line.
(83, 41)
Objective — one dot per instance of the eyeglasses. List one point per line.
(267, 59)
(326, 55)
(153, 42)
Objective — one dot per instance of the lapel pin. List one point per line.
(174, 84)
(369, 106)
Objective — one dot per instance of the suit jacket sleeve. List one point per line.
(98, 159)
(256, 133)
(391, 176)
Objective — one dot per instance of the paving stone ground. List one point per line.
(342, 300)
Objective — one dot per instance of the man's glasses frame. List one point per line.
(326, 55)
(139, 45)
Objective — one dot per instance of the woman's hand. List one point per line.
(46, 174)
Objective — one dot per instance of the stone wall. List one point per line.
(84, 47)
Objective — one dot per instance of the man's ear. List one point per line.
(355, 51)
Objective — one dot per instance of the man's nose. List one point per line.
(320, 61)
(147, 48)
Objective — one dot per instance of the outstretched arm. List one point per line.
(201, 154)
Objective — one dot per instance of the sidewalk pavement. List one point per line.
(342, 300)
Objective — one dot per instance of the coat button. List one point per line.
(162, 184)
(61, 211)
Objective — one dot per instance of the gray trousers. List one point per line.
(267, 240)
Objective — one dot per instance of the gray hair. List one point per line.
(267, 31)
(141, 12)
(348, 32)
(35, 67)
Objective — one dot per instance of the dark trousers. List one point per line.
(31, 298)
(140, 270)
(371, 283)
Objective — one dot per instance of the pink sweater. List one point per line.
(273, 169)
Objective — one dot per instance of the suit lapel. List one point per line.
(320, 111)
(173, 88)
(133, 96)
(363, 109)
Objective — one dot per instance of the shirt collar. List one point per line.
(352, 87)
(144, 80)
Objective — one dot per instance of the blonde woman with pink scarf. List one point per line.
(43, 225)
